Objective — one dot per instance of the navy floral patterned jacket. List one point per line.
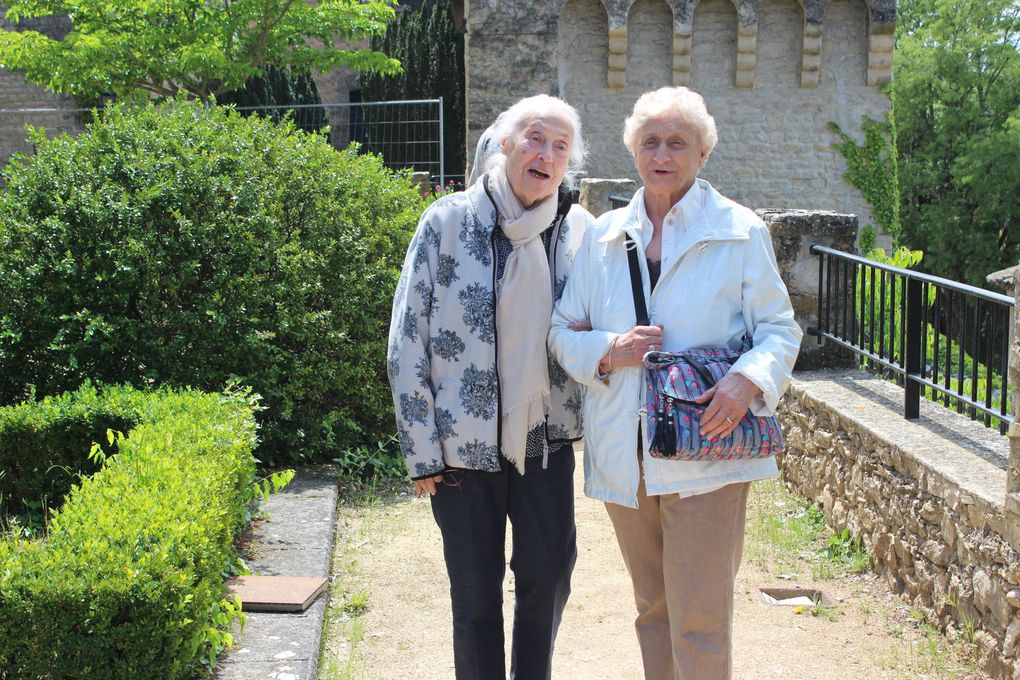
(443, 341)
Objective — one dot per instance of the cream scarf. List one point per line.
(523, 312)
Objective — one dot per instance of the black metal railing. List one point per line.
(618, 201)
(946, 340)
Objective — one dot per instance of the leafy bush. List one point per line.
(129, 580)
(184, 245)
(44, 445)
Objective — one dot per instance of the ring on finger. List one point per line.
(729, 420)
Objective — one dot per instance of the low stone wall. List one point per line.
(925, 497)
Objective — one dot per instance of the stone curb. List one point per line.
(296, 540)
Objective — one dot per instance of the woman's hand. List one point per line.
(728, 401)
(428, 484)
(628, 348)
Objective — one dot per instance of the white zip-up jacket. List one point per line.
(721, 284)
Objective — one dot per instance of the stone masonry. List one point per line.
(773, 74)
(793, 233)
(925, 496)
(55, 113)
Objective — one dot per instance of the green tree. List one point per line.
(280, 87)
(199, 47)
(956, 97)
(871, 168)
(430, 48)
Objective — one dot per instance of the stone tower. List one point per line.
(774, 73)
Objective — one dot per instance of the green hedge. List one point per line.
(128, 582)
(44, 445)
(185, 246)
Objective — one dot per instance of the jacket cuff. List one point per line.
(438, 471)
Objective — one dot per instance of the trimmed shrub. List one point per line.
(129, 580)
(44, 445)
(185, 245)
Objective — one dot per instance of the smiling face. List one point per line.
(537, 156)
(668, 156)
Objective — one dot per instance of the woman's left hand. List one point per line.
(727, 403)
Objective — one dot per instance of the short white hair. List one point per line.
(667, 101)
(518, 116)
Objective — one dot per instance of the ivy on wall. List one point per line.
(871, 168)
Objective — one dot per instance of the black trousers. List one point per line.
(472, 515)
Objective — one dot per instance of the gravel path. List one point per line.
(391, 553)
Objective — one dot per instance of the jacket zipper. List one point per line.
(495, 341)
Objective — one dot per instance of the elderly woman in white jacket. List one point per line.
(709, 279)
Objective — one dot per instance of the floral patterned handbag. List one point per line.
(673, 380)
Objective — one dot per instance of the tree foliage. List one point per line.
(871, 167)
(430, 48)
(956, 97)
(199, 47)
(278, 87)
(191, 246)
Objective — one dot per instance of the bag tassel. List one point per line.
(664, 441)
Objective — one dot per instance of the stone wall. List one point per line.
(773, 74)
(57, 115)
(793, 233)
(925, 496)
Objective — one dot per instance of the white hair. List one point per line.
(667, 101)
(518, 116)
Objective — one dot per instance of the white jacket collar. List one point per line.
(718, 219)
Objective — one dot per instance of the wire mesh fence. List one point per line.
(406, 134)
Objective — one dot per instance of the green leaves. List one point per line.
(128, 583)
(191, 246)
(956, 96)
(871, 168)
(430, 49)
(201, 48)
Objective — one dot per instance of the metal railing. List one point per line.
(618, 201)
(407, 134)
(936, 337)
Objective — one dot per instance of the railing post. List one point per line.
(912, 352)
(442, 147)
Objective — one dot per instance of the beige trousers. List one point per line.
(683, 555)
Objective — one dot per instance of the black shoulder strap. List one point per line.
(640, 309)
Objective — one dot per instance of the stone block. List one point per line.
(948, 530)
(793, 234)
(595, 193)
(1011, 640)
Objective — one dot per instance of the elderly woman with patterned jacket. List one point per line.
(486, 419)
(708, 276)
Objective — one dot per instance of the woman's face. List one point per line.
(668, 156)
(537, 156)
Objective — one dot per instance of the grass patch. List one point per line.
(786, 535)
(363, 512)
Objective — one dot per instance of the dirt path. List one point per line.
(389, 559)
